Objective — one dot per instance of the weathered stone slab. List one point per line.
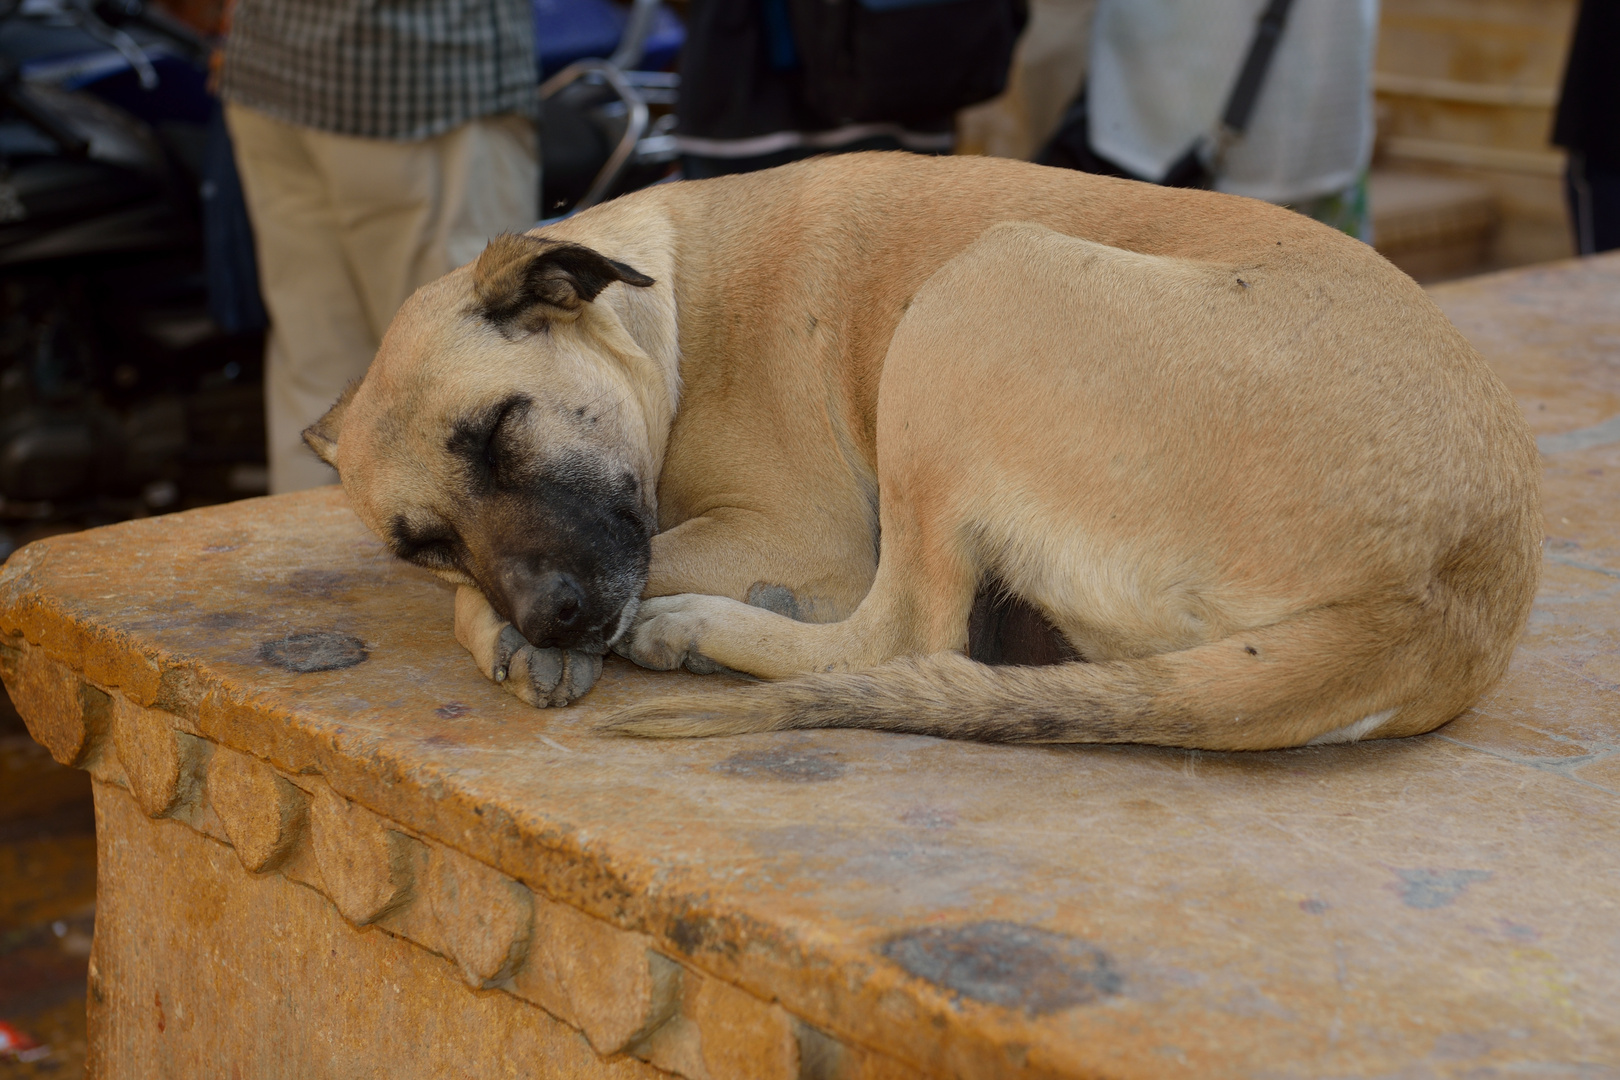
(483, 918)
(838, 904)
(64, 714)
(163, 764)
(369, 868)
(607, 982)
(263, 814)
(206, 970)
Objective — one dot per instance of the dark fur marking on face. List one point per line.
(434, 547)
(560, 554)
(482, 442)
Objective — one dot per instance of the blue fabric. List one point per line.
(899, 5)
(228, 255)
(779, 47)
(569, 30)
(181, 92)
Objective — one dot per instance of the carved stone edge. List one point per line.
(611, 984)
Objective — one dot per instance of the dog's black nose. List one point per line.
(546, 606)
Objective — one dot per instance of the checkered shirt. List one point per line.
(388, 69)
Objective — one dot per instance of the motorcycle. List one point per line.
(607, 107)
(119, 394)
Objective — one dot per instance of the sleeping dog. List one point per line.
(788, 423)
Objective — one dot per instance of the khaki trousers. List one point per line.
(346, 229)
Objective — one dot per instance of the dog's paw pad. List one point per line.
(645, 647)
(551, 677)
(669, 632)
(581, 672)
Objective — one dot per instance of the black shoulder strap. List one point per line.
(1202, 161)
(1267, 32)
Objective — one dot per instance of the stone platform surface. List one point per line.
(827, 904)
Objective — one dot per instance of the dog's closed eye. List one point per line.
(505, 444)
(489, 442)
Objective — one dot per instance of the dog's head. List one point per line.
(508, 435)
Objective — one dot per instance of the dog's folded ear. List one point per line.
(322, 435)
(522, 282)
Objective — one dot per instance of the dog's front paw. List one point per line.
(667, 634)
(545, 677)
(540, 677)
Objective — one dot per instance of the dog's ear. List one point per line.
(522, 282)
(322, 435)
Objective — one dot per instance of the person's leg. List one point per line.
(492, 184)
(410, 212)
(320, 336)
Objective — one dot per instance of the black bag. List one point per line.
(903, 61)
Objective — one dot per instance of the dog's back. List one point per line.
(1271, 504)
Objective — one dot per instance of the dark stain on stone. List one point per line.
(314, 650)
(1002, 963)
(452, 710)
(1313, 906)
(323, 584)
(798, 765)
(686, 935)
(695, 934)
(225, 620)
(440, 741)
(1428, 889)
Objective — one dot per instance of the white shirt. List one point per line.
(1161, 71)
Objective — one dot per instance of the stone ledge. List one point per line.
(610, 984)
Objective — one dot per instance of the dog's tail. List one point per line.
(1335, 674)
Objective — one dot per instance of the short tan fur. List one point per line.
(1246, 467)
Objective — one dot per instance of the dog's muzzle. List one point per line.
(553, 609)
(563, 561)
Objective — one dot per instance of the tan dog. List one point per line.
(1261, 485)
